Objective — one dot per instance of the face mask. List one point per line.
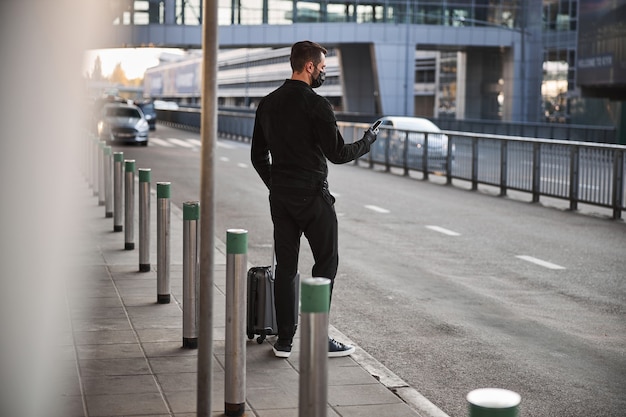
(319, 80)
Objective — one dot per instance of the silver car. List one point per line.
(406, 137)
(122, 124)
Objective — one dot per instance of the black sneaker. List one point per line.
(282, 349)
(337, 349)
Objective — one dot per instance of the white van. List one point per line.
(417, 130)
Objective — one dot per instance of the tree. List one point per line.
(96, 73)
(119, 75)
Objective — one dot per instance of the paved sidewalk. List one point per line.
(125, 355)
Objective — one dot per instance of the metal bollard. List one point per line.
(108, 183)
(101, 145)
(89, 159)
(493, 402)
(118, 186)
(235, 346)
(163, 242)
(315, 305)
(95, 143)
(144, 219)
(191, 250)
(129, 206)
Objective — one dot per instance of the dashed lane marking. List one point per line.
(442, 230)
(160, 142)
(377, 209)
(540, 262)
(242, 165)
(180, 142)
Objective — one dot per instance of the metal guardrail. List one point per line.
(580, 172)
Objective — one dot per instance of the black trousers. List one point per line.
(293, 215)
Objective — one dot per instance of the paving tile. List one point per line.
(181, 381)
(361, 395)
(104, 337)
(377, 410)
(100, 367)
(125, 404)
(160, 335)
(101, 324)
(160, 349)
(119, 384)
(110, 351)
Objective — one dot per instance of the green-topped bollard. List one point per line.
(191, 283)
(144, 219)
(163, 242)
(118, 186)
(108, 183)
(95, 146)
(101, 146)
(493, 402)
(315, 305)
(235, 344)
(129, 206)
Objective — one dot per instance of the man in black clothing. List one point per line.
(295, 132)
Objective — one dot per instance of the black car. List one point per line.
(123, 123)
(149, 112)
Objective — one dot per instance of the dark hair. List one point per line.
(305, 51)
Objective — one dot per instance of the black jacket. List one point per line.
(297, 127)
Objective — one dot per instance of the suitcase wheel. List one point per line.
(261, 338)
(250, 336)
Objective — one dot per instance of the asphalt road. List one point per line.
(450, 289)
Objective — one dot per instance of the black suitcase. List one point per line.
(261, 311)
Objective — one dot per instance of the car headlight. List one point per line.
(142, 125)
(101, 127)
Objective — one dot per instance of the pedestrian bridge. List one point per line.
(500, 65)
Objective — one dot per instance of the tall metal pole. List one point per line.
(208, 133)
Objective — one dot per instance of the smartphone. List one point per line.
(374, 127)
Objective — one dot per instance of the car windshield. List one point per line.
(122, 112)
(147, 107)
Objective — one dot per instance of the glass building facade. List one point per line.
(557, 27)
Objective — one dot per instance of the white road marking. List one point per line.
(242, 165)
(442, 230)
(196, 142)
(540, 262)
(377, 209)
(160, 142)
(180, 142)
(224, 159)
(224, 145)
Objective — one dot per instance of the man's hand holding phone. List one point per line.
(372, 133)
